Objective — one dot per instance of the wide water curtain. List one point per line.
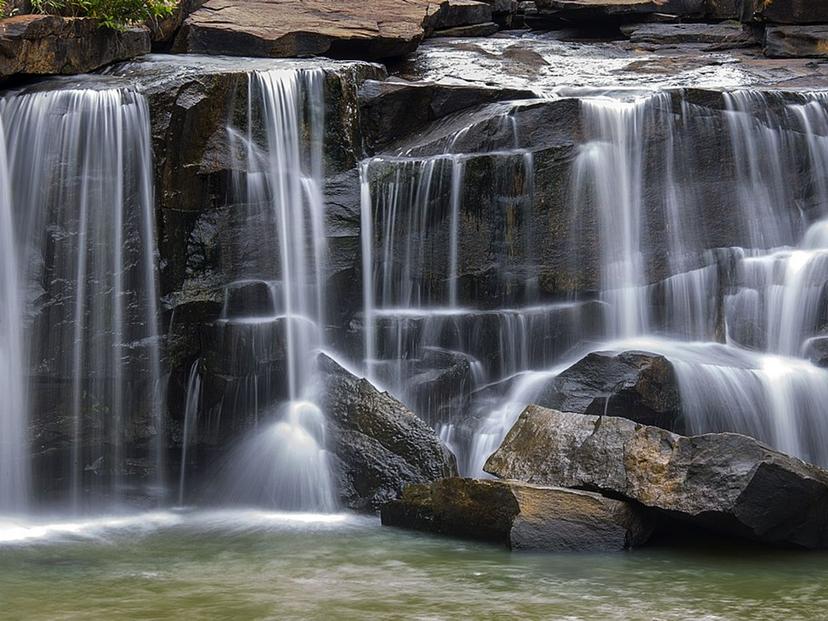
(14, 445)
(278, 193)
(80, 165)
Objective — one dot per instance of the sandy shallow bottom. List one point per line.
(260, 565)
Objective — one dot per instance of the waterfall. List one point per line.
(278, 191)
(733, 305)
(80, 168)
(14, 442)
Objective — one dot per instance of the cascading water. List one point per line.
(279, 191)
(14, 444)
(441, 346)
(80, 169)
(672, 280)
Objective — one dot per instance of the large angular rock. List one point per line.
(282, 28)
(379, 445)
(356, 29)
(520, 516)
(458, 13)
(725, 482)
(791, 11)
(636, 385)
(47, 44)
(796, 41)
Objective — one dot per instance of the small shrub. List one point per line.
(115, 14)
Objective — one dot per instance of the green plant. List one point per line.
(115, 14)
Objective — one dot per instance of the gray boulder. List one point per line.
(636, 385)
(520, 516)
(378, 445)
(796, 41)
(723, 482)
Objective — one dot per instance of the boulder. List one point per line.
(47, 44)
(459, 13)
(724, 35)
(636, 385)
(796, 41)
(816, 350)
(283, 28)
(791, 11)
(520, 515)
(378, 445)
(723, 482)
(356, 29)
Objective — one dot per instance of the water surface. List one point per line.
(257, 565)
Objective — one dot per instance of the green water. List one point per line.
(253, 565)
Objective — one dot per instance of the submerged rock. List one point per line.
(723, 482)
(47, 44)
(520, 515)
(379, 445)
(796, 41)
(636, 385)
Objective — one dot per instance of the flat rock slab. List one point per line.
(520, 516)
(724, 482)
(796, 41)
(581, 10)
(724, 35)
(47, 44)
(355, 29)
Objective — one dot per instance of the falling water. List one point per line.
(80, 166)
(14, 444)
(284, 462)
(636, 172)
(191, 408)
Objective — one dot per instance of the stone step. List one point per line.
(520, 516)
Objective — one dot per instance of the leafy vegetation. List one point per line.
(116, 14)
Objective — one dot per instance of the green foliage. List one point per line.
(115, 14)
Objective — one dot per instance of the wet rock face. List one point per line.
(47, 44)
(796, 41)
(722, 482)
(378, 445)
(638, 386)
(520, 516)
(393, 109)
(791, 11)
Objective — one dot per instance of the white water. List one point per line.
(80, 174)
(14, 442)
(767, 296)
(283, 463)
